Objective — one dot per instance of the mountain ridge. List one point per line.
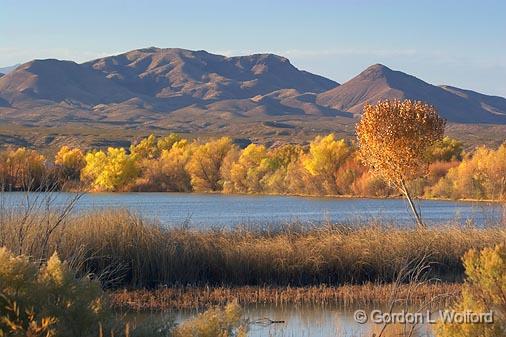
(196, 92)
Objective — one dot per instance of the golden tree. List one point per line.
(71, 162)
(205, 164)
(109, 171)
(326, 154)
(394, 138)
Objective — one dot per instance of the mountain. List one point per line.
(156, 80)
(260, 97)
(170, 72)
(379, 82)
(54, 81)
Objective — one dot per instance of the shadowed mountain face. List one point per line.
(379, 82)
(261, 97)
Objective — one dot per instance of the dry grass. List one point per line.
(128, 251)
(182, 298)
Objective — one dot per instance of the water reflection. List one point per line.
(311, 321)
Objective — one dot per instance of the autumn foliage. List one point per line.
(325, 166)
(394, 141)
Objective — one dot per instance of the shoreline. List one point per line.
(196, 298)
(327, 196)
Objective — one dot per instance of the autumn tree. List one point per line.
(394, 137)
(146, 149)
(481, 175)
(109, 171)
(205, 164)
(166, 142)
(70, 161)
(21, 169)
(247, 172)
(325, 156)
(276, 164)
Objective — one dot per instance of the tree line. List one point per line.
(327, 166)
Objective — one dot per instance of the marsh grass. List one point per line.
(129, 251)
(191, 298)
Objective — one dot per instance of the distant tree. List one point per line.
(325, 156)
(246, 174)
(276, 164)
(166, 142)
(146, 149)
(394, 137)
(109, 171)
(22, 169)
(168, 173)
(70, 161)
(205, 163)
(447, 149)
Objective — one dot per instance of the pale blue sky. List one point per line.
(461, 43)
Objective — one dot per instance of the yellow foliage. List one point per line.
(247, 172)
(216, 322)
(71, 162)
(480, 176)
(483, 291)
(325, 156)
(394, 137)
(21, 169)
(109, 171)
(146, 149)
(166, 142)
(446, 149)
(46, 301)
(204, 166)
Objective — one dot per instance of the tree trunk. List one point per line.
(418, 219)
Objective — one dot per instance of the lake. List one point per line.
(220, 210)
(309, 321)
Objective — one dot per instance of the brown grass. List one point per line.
(127, 250)
(181, 298)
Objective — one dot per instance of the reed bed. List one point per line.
(125, 250)
(191, 298)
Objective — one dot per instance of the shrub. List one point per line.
(216, 322)
(47, 300)
(483, 291)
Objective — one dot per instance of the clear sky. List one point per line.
(461, 43)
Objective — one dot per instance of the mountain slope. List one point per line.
(379, 82)
(168, 72)
(57, 81)
(494, 104)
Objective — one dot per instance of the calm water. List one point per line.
(305, 321)
(206, 210)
